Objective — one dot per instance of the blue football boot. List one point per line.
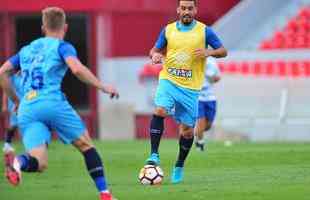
(177, 175)
(153, 159)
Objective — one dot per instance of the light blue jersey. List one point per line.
(207, 92)
(44, 106)
(43, 70)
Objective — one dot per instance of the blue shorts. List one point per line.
(207, 109)
(178, 101)
(38, 119)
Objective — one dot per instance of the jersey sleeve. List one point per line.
(162, 40)
(212, 39)
(66, 50)
(15, 61)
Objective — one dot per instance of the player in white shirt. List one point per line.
(207, 102)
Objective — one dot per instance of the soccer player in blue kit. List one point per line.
(44, 107)
(207, 103)
(8, 109)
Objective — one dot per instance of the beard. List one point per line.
(187, 19)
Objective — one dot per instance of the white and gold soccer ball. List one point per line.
(151, 175)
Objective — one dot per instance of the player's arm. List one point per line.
(5, 72)
(85, 75)
(218, 50)
(68, 53)
(4, 107)
(157, 52)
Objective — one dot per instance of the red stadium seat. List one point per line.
(301, 42)
(231, 67)
(306, 65)
(293, 68)
(245, 67)
(304, 12)
(294, 35)
(266, 45)
(257, 67)
(281, 67)
(269, 68)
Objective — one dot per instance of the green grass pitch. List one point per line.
(245, 171)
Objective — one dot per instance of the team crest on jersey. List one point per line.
(182, 58)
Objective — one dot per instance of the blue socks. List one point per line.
(95, 169)
(28, 163)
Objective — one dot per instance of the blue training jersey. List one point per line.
(43, 67)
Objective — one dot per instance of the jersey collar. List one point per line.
(185, 28)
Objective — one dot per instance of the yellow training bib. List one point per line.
(181, 66)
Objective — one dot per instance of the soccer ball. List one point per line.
(151, 175)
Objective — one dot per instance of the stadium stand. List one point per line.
(296, 33)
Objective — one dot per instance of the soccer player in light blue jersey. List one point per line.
(44, 107)
(207, 103)
(8, 108)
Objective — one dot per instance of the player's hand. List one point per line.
(202, 53)
(109, 89)
(157, 58)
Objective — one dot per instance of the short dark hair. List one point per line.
(195, 1)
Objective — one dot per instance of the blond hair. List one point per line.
(53, 18)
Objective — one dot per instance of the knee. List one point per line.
(84, 146)
(187, 133)
(159, 111)
(83, 143)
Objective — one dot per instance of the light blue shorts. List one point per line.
(38, 119)
(178, 101)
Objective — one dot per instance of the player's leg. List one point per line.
(206, 116)
(35, 136)
(71, 130)
(9, 133)
(185, 144)
(200, 127)
(164, 102)
(156, 131)
(93, 163)
(186, 111)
